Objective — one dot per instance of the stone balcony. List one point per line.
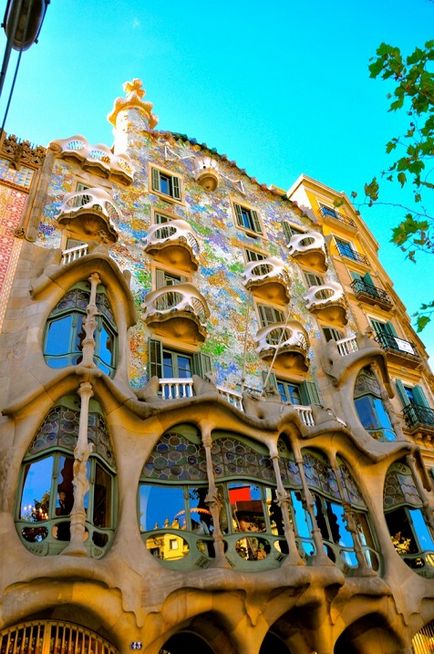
(309, 249)
(173, 243)
(178, 311)
(420, 422)
(268, 279)
(90, 215)
(286, 344)
(399, 350)
(371, 294)
(95, 158)
(328, 302)
(183, 388)
(206, 174)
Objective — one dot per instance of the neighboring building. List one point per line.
(217, 422)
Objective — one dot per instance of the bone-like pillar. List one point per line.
(213, 501)
(89, 326)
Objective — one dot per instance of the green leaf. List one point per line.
(422, 322)
(402, 178)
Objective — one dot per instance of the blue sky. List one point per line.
(281, 88)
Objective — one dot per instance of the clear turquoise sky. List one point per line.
(280, 87)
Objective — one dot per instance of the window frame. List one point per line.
(261, 310)
(175, 182)
(255, 227)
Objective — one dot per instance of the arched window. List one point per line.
(408, 527)
(46, 492)
(333, 512)
(370, 407)
(250, 519)
(175, 521)
(64, 333)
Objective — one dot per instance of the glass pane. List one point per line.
(59, 336)
(247, 506)
(65, 489)
(161, 506)
(184, 366)
(168, 365)
(303, 525)
(421, 530)
(102, 498)
(106, 346)
(167, 547)
(200, 515)
(35, 498)
(338, 525)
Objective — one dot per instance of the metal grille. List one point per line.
(52, 638)
(423, 641)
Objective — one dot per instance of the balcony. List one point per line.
(419, 419)
(268, 279)
(180, 388)
(333, 214)
(286, 344)
(327, 301)
(72, 254)
(178, 311)
(95, 158)
(173, 243)
(398, 349)
(207, 174)
(90, 215)
(371, 294)
(349, 253)
(309, 249)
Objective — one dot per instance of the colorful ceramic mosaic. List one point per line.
(233, 321)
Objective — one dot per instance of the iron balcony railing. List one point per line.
(416, 415)
(333, 213)
(396, 344)
(360, 287)
(349, 253)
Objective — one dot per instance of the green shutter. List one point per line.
(420, 396)
(314, 280)
(287, 230)
(356, 275)
(155, 357)
(401, 392)
(239, 214)
(368, 279)
(201, 364)
(256, 222)
(176, 190)
(309, 393)
(155, 179)
(390, 329)
(272, 381)
(331, 334)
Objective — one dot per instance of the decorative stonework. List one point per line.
(21, 152)
(134, 93)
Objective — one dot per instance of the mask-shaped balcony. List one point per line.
(90, 215)
(173, 243)
(178, 311)
(371, 294)
(98, 159)
(309, 249)
(268, 279)
(328, 303)
(287, 343)
(207, 174)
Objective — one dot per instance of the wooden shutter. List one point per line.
(390, 329)
(160, 278)
(176, 188)
(256, 224)
(201, 364)
(155, 179)
(314, 280)
(331, 334)
(401, 393)
(368, 279)
(272, 381)
(287, 230)
(239, 214)
(155, 358)
(420, 397)
(309, 393)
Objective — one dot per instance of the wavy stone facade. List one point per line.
(198, 452)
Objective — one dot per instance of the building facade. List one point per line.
(216, 417)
